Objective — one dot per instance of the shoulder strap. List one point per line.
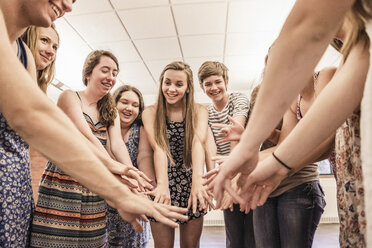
(77, 93)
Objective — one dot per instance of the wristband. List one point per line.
(281, 162)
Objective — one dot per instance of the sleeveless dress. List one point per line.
(121, 233)
(179, 177)
(67, 214)
(350, 189)
(16, 199)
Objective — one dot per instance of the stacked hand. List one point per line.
(161, 194)
(134, 206)
(253, 186)
(131, 176)
(200, 194)
(219, 179)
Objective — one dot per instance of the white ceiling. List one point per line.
(146, 35)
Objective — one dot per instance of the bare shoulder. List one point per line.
(148, 114)
(67, 96)
(200, 107)
(149, 110)
(324, 77)
(328, 71)
(201, 112)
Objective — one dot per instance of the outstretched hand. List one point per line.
(263, 180)
(134, 206)
(219, 179)
(131, 176)
(230, 132)
(161, 194)
(199, 194)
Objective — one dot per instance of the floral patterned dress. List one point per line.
(179, 177)
(350, 190)
(121, 233)
(16, 199)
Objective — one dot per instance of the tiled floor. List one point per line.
(325, 237)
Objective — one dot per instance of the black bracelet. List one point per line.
(281, 162)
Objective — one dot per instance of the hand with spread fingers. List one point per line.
(161, 194)
(199, 194)
(230, 132)
(131, 176)
(228, 200)
(136, 206)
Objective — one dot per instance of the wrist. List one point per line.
(119, 190)
(162, 184)
(280, 169)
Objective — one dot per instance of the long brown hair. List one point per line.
(106, 105)
(364, 8)
(119, 91)
(188, 109)
(355, 31)
(31, 37)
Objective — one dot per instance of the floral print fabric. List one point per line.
(350, 190)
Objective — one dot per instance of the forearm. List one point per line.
(121, 154)
(324, 117)
(198, 158)
(323, 149)
(146, 165)
(161, 167)
(290, 64)
(210, 150)
(44, 126)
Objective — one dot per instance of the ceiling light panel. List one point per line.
(148, 22)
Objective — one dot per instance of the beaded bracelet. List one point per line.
(281, 162)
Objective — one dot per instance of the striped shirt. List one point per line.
(237, 105)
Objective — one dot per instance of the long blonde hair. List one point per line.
(106, 105)
(188, 111)
(31, 37)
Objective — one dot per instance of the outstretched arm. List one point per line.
(301, 43)
(324, 117)
(45, 127)
(198, 191)
(161, 192)
(293, 57)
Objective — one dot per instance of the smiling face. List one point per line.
(103, 76)
(128, 107)
(44, 12)
(174, 86)
(46, 47)
(215, 88)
